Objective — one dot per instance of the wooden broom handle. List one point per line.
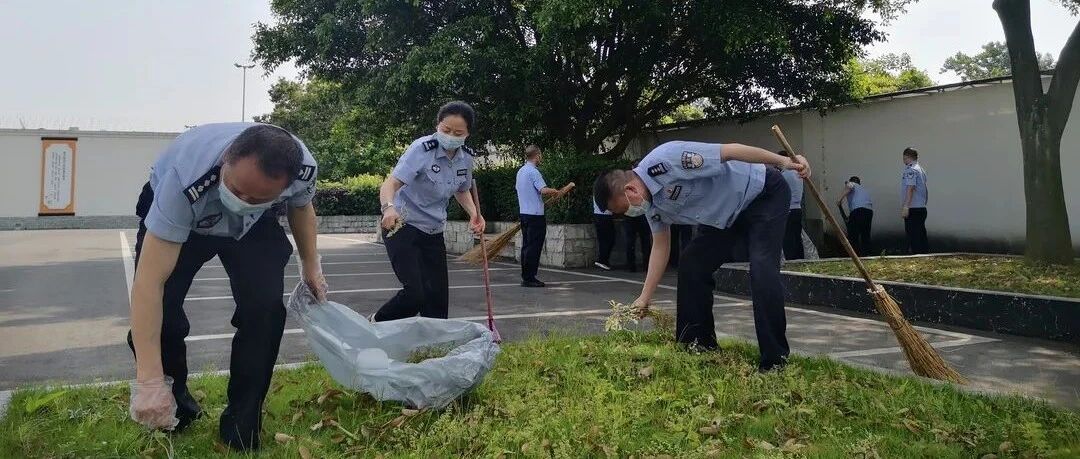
(563, 190)
(825, 210)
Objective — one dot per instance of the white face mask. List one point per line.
(239, 206)
(638, 210)
(449, 142)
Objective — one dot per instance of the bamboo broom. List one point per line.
(478, 254)
(922, 358)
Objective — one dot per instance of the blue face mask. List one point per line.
(238, 206)
(638, 210)
(449, 142)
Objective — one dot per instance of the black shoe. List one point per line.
(187, 411)
(532, 283)
(771, 368)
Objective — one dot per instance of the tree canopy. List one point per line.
(885, 74)
(991, 62)
(590, 74)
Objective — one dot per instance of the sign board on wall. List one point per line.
(57, 176)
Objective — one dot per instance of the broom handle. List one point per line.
(564, 190)
(487, 274)
(825, 210)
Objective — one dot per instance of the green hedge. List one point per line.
(353, 196)
(498, 199)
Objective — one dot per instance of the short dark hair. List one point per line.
(911, 153)
(277, 152)
(855, 178)
(459, 108)
(532, 151)
(606, 185)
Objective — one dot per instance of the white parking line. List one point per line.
(129, 262)
(898, 349)
(393, 289)
(386, 273)
(329, 263)
(346, 239)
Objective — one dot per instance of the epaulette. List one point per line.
(306, 173)
(430, 144)
(469, 150)
(194, 191)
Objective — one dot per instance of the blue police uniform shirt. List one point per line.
(185, 179)
(915, 176)
(796, 184)
(691, 185)
(529, 184)
(858, 197)
(596, 209)
(430, 179)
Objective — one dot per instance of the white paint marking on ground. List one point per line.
(392, 289)
(208, 279)
(935, 331)
(215, 266)
(129, 262)
(8, 290)
(898, 349)
(346, 239)
(528, 315)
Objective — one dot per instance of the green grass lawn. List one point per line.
(623, 394)
(1009, 274)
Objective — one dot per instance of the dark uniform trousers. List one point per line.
(681, 235)
(915, 227)
(533, 232)
(761, 226)
(793, 248)
(605, 237)
(859, 224)
(256, 268)
(637, 229)
(419, 261)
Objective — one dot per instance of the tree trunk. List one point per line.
(1048, 236)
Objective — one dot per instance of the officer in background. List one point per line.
(913, 197)
(209, 194)
(731, 194)
(604, 223)
(793, 245)
(413, 200)
(860, 215)
(531, 189)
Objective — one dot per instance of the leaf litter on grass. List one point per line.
(573, 396)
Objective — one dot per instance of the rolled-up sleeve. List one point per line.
(170, 214)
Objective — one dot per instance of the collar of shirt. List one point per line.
(651, 183)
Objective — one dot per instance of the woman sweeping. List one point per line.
(413, 201)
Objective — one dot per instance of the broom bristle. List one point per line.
(924, 360)
(475, 255)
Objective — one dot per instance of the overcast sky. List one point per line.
(160, 65)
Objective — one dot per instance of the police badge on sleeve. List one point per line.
(692, 160)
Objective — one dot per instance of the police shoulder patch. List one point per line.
(195, 191)
(306, 173)
(657, 169)
(692, 160)
(469, 150)
(430, 144)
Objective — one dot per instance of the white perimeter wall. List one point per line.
(110, 169)
(968, 142)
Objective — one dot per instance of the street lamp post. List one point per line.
(243, 88)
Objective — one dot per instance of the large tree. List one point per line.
(588, 73)
(1042, 115)
(993, 61)
(885, 74)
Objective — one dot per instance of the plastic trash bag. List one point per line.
(371, 357)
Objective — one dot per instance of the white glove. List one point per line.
(312, 275)
(153, 404)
